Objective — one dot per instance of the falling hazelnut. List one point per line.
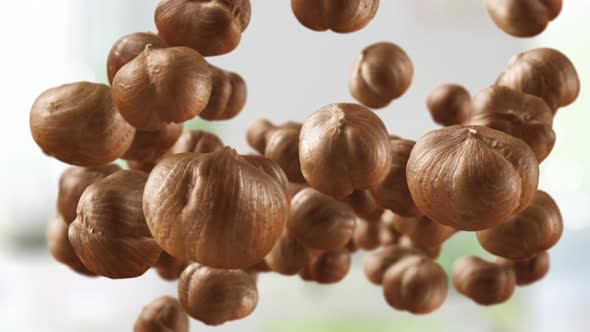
(518, 114)
(162, 86)
(343, 148)
(364, 204)
(294, 188)
(449, 104)
(382, 73)
(215, 296)
(523, 18)
(529, 233)
(228, 95)
(215, 208)
(149, 146)
(330, 267)
(389, 234)
(169, 267)
(423, 231)
(528, 271)
(282, 146)
(471, 177)
(110, 234)
(484, 282)
(197, 141)
(271, 168)
(543, 72)
(367, 233)
(376, 263)
(60, 247)
(128, 48)
(77, 123)
(164, 314)
(338, 16)
(257, 132)
(209, 27)
(428, 251)
(288, 256)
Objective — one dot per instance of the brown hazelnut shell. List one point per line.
(256, 134)
(423, 231)
(151, 145)
(471, 177)
(338, 16)
(209, 27)
(376, 263)
(197, 141)
(364, 204)
(77, 124)
(528, 271)
(429, 251)
(144, 166)
(161, 86)
(110, 234)
(449, 104)
(215, 208)
(164, 314)
(529, 233)
(523, 18)
(228, 95)
(169, 267)
(271, 168)
(72, 183)
(128, 48)
(518, 114)
(319, 221)
(330, 267)
(382, 73)
(343, 148)
(543, 72)
(484, 282)
(288, 256)
(60, 247)
(367, 234)
(282, 146)
(415, 284)
(215, 296)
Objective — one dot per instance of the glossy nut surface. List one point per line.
(128, 48)
(338, 16)
(149, 146)
(376, 263)
(164, 314)
(330, 267)
(523, 18)
(449, 104)
(197, 141)
(288, 256)
(484, 282)
(282, 146)
(228, 95)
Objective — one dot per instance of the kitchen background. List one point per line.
(290, 71)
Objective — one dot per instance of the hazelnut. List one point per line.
(214, 208)
(228, 95)
(367, 234)
(128, 48)
(518, 114)
(72, 183)
(343, 148)
(259, 267)
(215, 296)
(449, 104)
(423, 231)
(77, 123)
(283, 147)
(330, 267)
(110, 234)
(164, 314)
(470, 177)
(484, 282)
(319, 221)
(376, 263)
(523, 18)
(529, 271)
(144, 166)
(151, 145)
(429, 251)
(209, 27)
(60, 247)
(415, 284)
(389, 234)
(169, 267)
(393, 192)
(294, 188)
(197, 141)
(338, 16)
(271, 168)
(364, 205)
(382, 72)
(288, 256)
(161, 86)
(256, 134)
(536, 229)
(545, 73)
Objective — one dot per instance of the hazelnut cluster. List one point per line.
(316, 192)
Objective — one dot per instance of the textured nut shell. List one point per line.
(169, 267)
(60, 247)
(518, 114)
(543, 72)
(393, 192)
(376, 263)
(432, 252)
(161, 86)
(151, 145)
(367, 234)
(282, 146)
(338, 16)
(128, 48)
(164, 314)
(415, 284)
(484, 282)
(72, 183)
(197, 141)
(330, 267)
(523, 18)
(288, 256)
(364, 204)
(144, 166)
(449, 104)
(228, 95)
(381, 73)
(342, 148)
(319, 221)
(215, 208)
(256, 134)
(210, 27)
(470, 177)
(526, 235)
(215, 296)
(530, 270)
(271, 168)
(423, 231)
(77, 123)
(110, 234)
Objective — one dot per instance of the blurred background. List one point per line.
(290, 71)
